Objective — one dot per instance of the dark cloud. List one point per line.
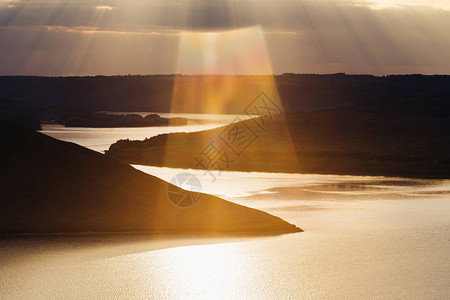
(61, 37)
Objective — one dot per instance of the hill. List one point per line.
(154, 93)
(410, 139)
(50, 186)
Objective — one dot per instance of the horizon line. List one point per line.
(238, 75)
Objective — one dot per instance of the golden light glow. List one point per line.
(215, 58)
(105, 7)
(242, 51)
(218, 267)
(378, 37)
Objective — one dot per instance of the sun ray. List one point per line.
(223, 72)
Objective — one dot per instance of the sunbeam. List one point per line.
(231, 72)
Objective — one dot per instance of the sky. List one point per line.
(109, 37)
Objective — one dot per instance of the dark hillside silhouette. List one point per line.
(50, 186)
(411, 139)
(298, 92)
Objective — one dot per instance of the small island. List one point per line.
(105, 120)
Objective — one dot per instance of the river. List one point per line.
(365, 237)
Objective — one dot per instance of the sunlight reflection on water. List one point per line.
(365, 237)
(354, 246)
(99, 139)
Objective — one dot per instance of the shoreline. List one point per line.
(148, 233)
(362, 174)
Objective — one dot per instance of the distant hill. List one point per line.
(298, 92)
(410, 139)
(50, 186)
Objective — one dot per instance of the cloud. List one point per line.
(382, 4)
(308, 36)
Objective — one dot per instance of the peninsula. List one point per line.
(50, 186)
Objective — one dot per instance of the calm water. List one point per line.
(99, 139)
(365, 237)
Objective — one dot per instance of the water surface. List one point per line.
(365, 237)
(99, 139)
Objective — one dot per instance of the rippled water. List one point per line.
(365, 237)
